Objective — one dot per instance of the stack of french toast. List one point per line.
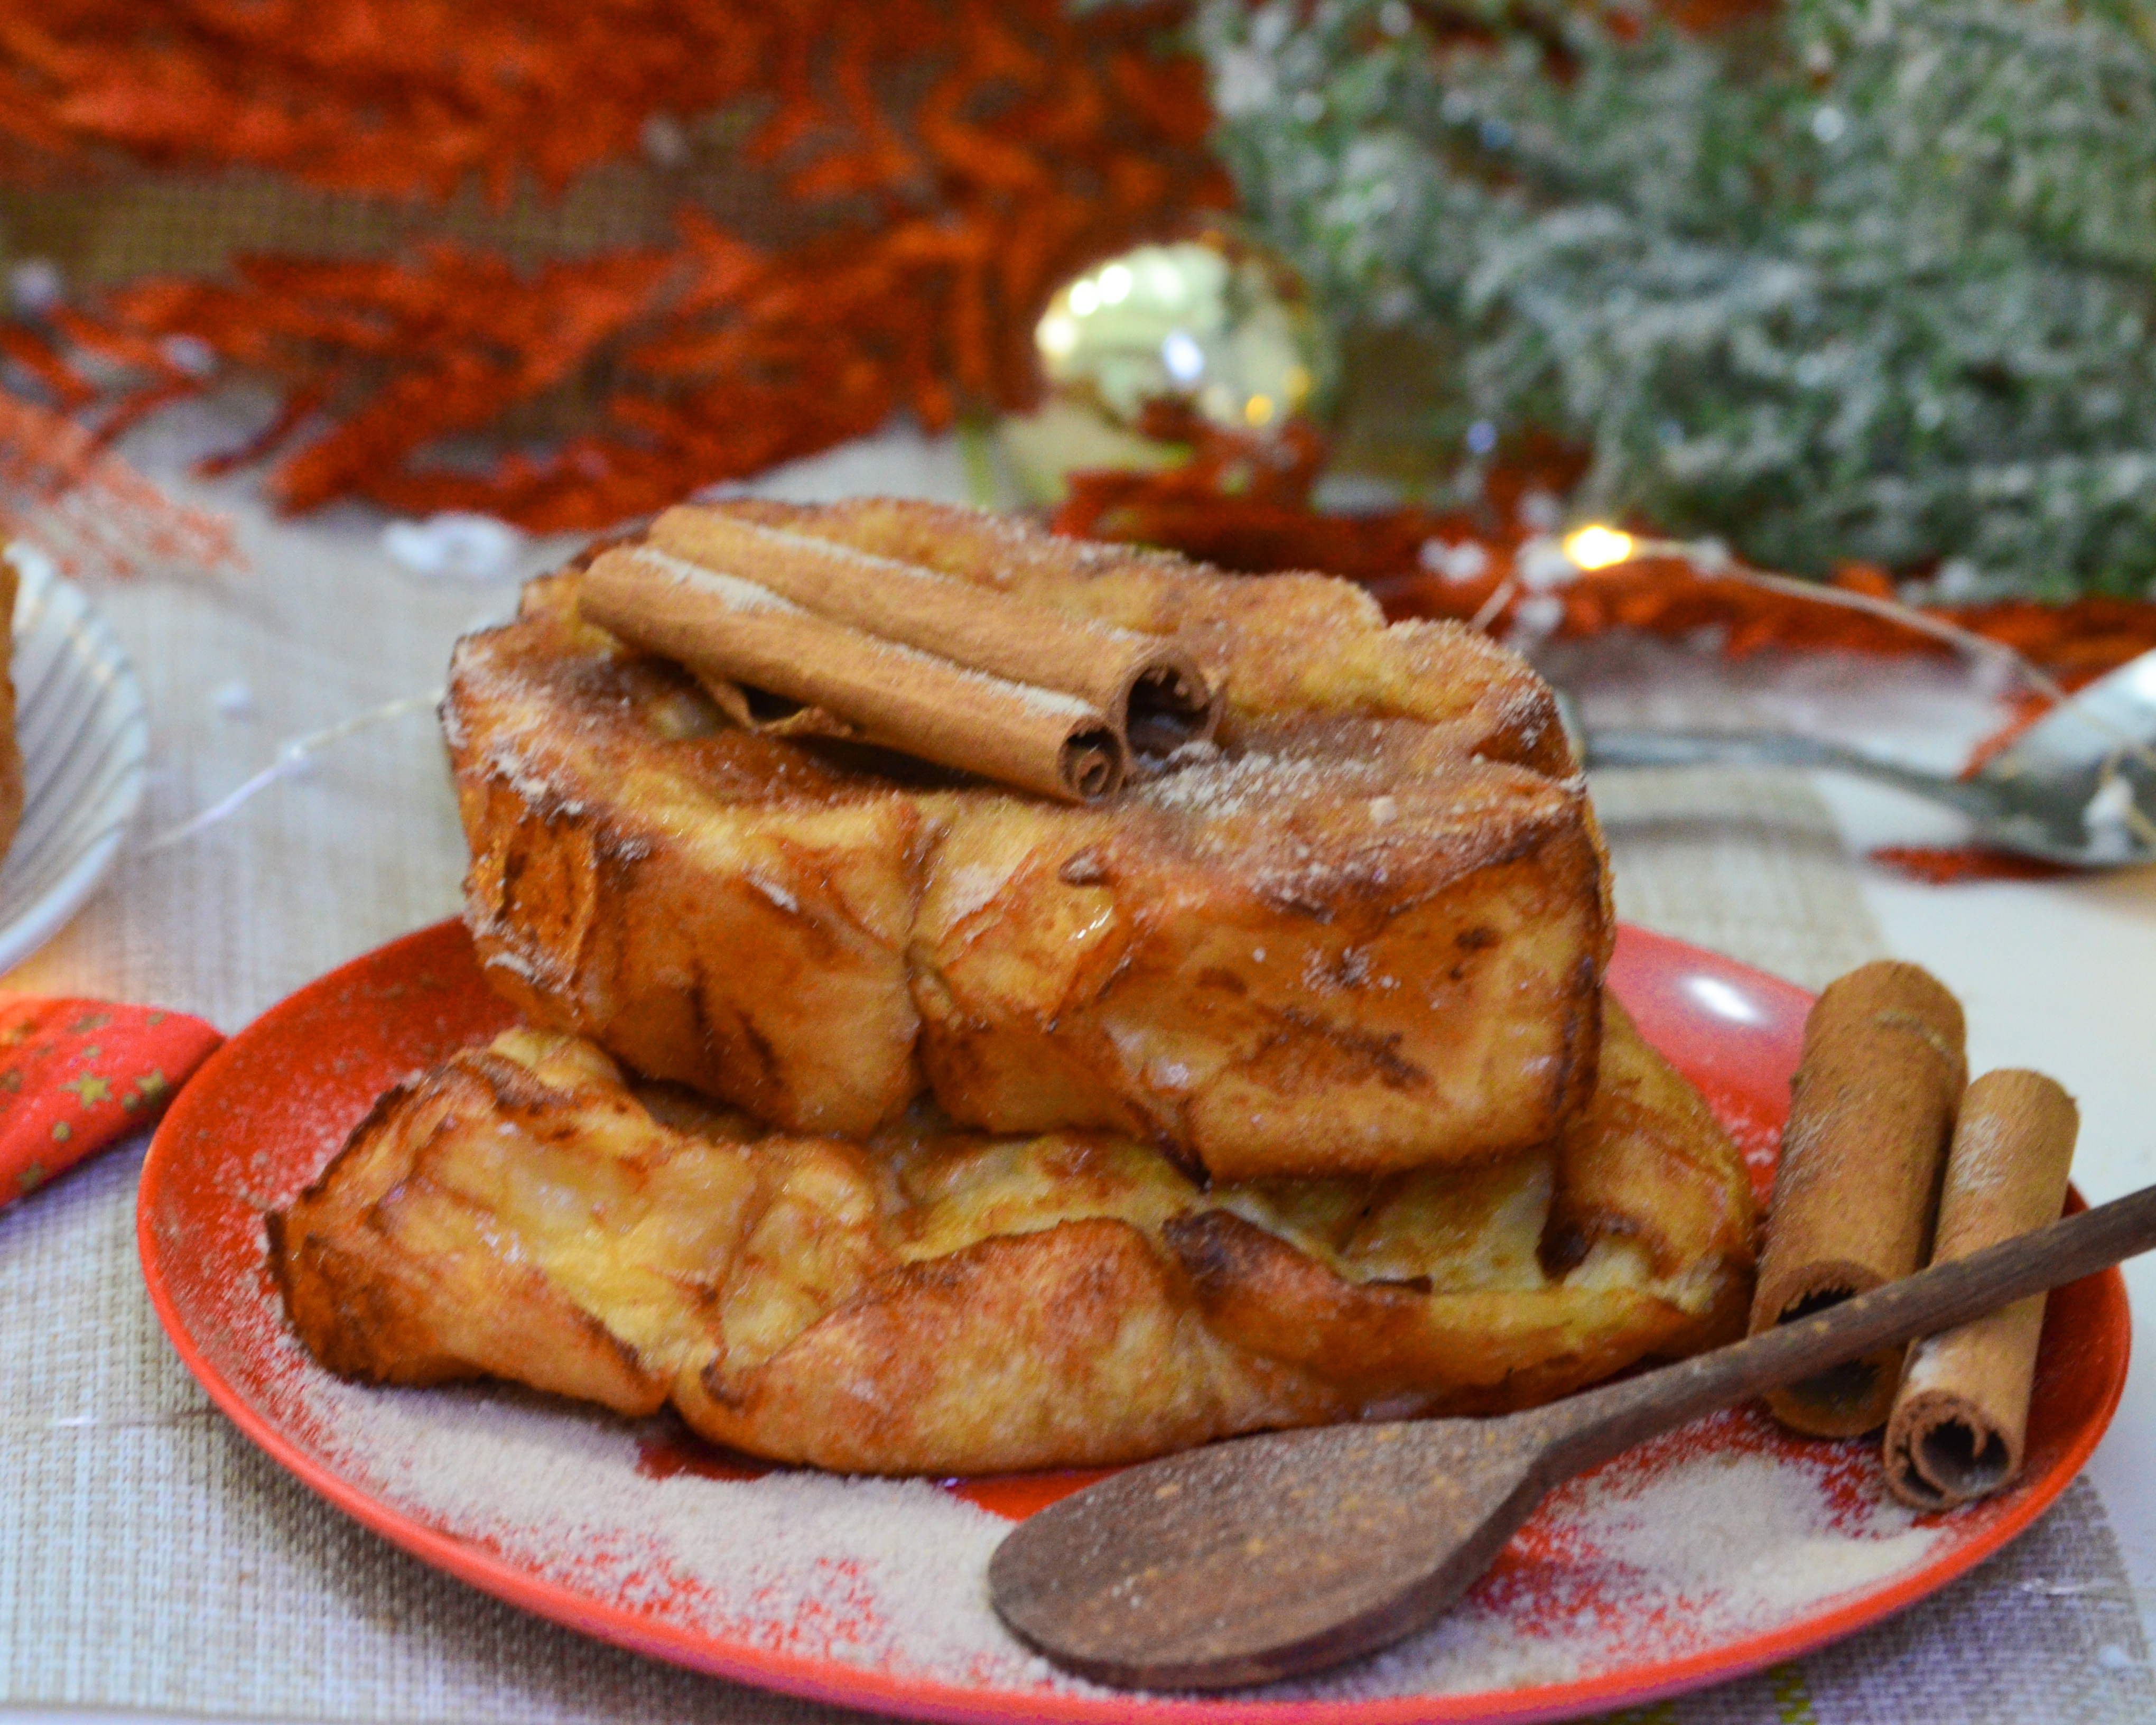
(881, 1116)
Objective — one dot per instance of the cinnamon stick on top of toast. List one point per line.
(801, 637)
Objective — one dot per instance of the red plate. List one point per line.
(1567, 1622)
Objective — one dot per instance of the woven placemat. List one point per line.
(151, 1558)
(1746, 864)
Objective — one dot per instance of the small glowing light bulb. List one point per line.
(1057, 335)
(1598, 547)
(1115, 284)
(1085, 298)
(1183, 357)
(1259, 409)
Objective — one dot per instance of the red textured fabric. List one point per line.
(76, 1075)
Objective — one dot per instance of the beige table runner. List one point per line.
(149, 1558)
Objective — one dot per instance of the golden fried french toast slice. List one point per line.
(1365, 934)
(937, 1300)
(1345, 949)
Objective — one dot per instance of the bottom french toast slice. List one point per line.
(941, 1301)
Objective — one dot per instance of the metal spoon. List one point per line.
(1269, 1556)
(2078, 786)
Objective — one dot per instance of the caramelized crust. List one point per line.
(1365, 935)
(1447, 1273)
(937, 1300)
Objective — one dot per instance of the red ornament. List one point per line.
(77, 1075)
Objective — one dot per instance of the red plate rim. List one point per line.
(1640, 952)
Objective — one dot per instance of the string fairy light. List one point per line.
(1596, 546)
(291, 759)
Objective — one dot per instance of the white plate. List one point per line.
(80, 718)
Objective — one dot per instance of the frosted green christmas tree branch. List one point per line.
(1875, 279)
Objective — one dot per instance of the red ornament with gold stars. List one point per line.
(76, 1075)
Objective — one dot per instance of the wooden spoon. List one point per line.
(1272, 1556)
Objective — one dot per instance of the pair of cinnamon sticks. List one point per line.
(1891, 1157)
(799, 637)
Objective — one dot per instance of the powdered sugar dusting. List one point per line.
(1047, 703)
(731, 591)
(1987, 1154)
(872, 1573)
(970, 885)
(890, 570)
(1723, 1531)
(1224, 786)
(881, 1575)
(541, 969)
(1759, 1541)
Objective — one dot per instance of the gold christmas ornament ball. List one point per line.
(1214, 323)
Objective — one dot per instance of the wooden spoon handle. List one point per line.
(1590, 1429)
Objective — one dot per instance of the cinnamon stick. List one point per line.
(1962, 1415)
(776, 666)
(1871, 1107)
(1150, 689)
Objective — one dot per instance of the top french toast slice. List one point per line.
(1364, 933)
